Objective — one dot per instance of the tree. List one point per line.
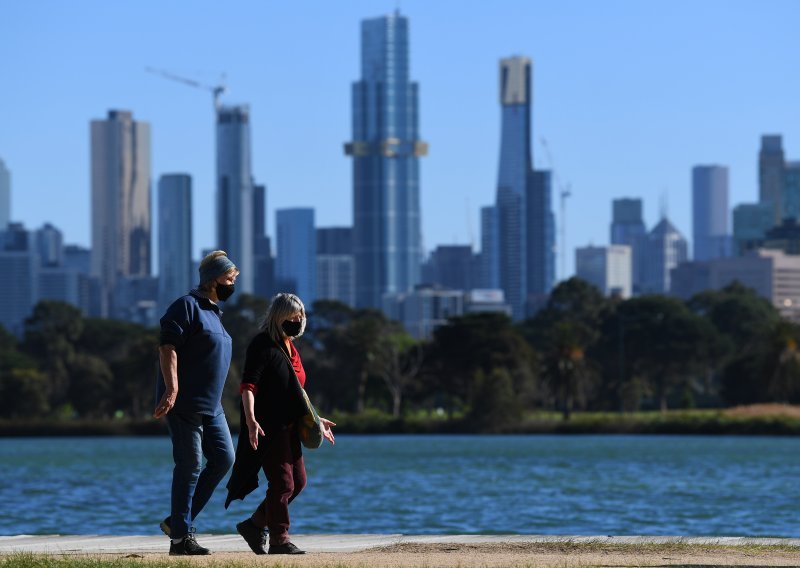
(90, 386)
(496, 406)
(50, 336)
(664, 342)
(397, 358)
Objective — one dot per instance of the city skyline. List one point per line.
(619, 122)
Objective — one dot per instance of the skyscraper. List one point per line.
(770, 175)
(525, 229)
(335, 265)
(5, 196)
(120, 154)
(264, 278)
(628, 228)
(607, 268)
(175, 274)
(385, 148)
(791, 190)
(664, 249)
(710, 235)
(235, 191)
(490, 253)
(751, 221)
(296, 260)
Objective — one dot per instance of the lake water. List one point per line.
(568, 485)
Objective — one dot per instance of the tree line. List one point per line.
(582, 351)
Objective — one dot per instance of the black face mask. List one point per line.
(292, 328)
(224, 291)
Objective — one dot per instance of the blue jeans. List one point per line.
(195, 436)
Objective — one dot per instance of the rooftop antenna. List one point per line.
(216, 90)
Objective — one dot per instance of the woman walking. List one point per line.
(194, 356)
(272, 405)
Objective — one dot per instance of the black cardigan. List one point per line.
(278, 403)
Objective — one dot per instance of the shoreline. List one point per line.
(407, 551)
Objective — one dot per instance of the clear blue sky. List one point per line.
(629, 94)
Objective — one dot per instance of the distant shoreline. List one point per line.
(757, 420)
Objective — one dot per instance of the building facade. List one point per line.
(770, 175)
(710, 235)
(628, 228)
(336, 265)
(175, 276)
(609, 269)
(296, 259)
(5, 196)
(751, 221)
(235, 191)
(121, 212)
(523, 220)
(385, 149)
(664, 249)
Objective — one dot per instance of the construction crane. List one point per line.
(216, 90)
(564, 192)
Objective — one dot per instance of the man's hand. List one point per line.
(165, 404)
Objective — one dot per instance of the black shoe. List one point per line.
(164, 526)
(287, 548)
(187, 547)
(255, 537)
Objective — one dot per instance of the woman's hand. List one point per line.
(326, 429)
(254, 431)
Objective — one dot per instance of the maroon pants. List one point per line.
(286, 478)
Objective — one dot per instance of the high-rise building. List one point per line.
(628, 228)
(751, 221)
(175, 275)
(120, 154)
(710, 234)
(21, 266)
(235, 191)
(452, 267)
(523, 219)
(791, 190)
(490, 252)
(49, 243)
(770, 175)
(386, 147)
(5, 196)
(336, 265)
(664, 249)
(607, 268)
(264, 279)
(296, 260)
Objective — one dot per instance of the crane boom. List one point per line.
(216, 90)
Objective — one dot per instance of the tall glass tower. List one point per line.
(385, 148)
(525, 231)
(296, 260)
(120, 148)
(771, 162)
(175, 274)
(710, 234)
(5, 196)
(235, 191)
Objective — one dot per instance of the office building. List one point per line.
(296, 259)
(609, 269)
(120, 173)
(336, 265)
(175, 275)
(20, 262)
(385, 150)
(664, 249)
(264, 279)
(489, 258)
(452, 267)
(5, 196)
(628, 228)
(770, 175)
(751, 221)
(773, 274)
(522, 222)
(424, 309)
(235, 191)
(710, 234)
(791, 190)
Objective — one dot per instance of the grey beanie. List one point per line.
(214, 268)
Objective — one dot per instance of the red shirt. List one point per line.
(297, 365)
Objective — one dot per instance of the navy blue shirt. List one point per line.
(192, 325)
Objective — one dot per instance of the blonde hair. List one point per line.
(282, 307)
(207, 285)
